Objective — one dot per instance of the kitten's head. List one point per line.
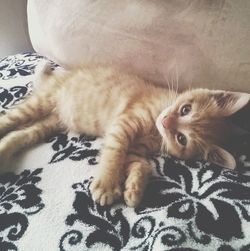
(194, 125)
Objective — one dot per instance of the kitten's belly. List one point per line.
(82, 117)
(80, 123)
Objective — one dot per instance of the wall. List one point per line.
(14, 37)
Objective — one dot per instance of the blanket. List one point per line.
(45, 202)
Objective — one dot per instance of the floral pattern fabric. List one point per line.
(45, 202)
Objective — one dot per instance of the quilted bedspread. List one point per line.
(45, 203)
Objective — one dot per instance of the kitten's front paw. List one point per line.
(133, 193)
(105, 191)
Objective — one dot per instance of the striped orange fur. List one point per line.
(134, 117)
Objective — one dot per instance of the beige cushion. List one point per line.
(205, 43)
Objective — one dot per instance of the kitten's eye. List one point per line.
(181, 138)
(185, 110)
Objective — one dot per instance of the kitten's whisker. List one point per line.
(161, 149)
(175, 88)
(168, 84)
(172, 84)
(173, 97)
(175, 82)
(166, 148)
(177, 79)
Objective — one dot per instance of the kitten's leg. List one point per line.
(31, 109)
(138, 167)
(138, 170)
(106, 186)
(23, 138)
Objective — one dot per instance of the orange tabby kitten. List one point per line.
(134, 117)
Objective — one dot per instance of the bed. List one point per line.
(45, 203)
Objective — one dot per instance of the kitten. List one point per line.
(134, 117)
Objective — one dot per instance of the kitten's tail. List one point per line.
(43, 73)
(44, 68)
(47, 78)
(28, 136)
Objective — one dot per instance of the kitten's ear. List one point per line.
(221, 157)
(230, 102)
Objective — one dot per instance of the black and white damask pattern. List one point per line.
(13, 95)
(18, 65)
(187, 205)
(75, 148)
(183, 207)
(20, 198)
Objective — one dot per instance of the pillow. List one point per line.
(197, 43)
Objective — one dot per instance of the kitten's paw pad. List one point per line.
(105, 192)
(133, 195)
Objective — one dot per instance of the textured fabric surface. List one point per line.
(205, 43)
(45, 203)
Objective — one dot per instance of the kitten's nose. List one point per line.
(167, 121)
